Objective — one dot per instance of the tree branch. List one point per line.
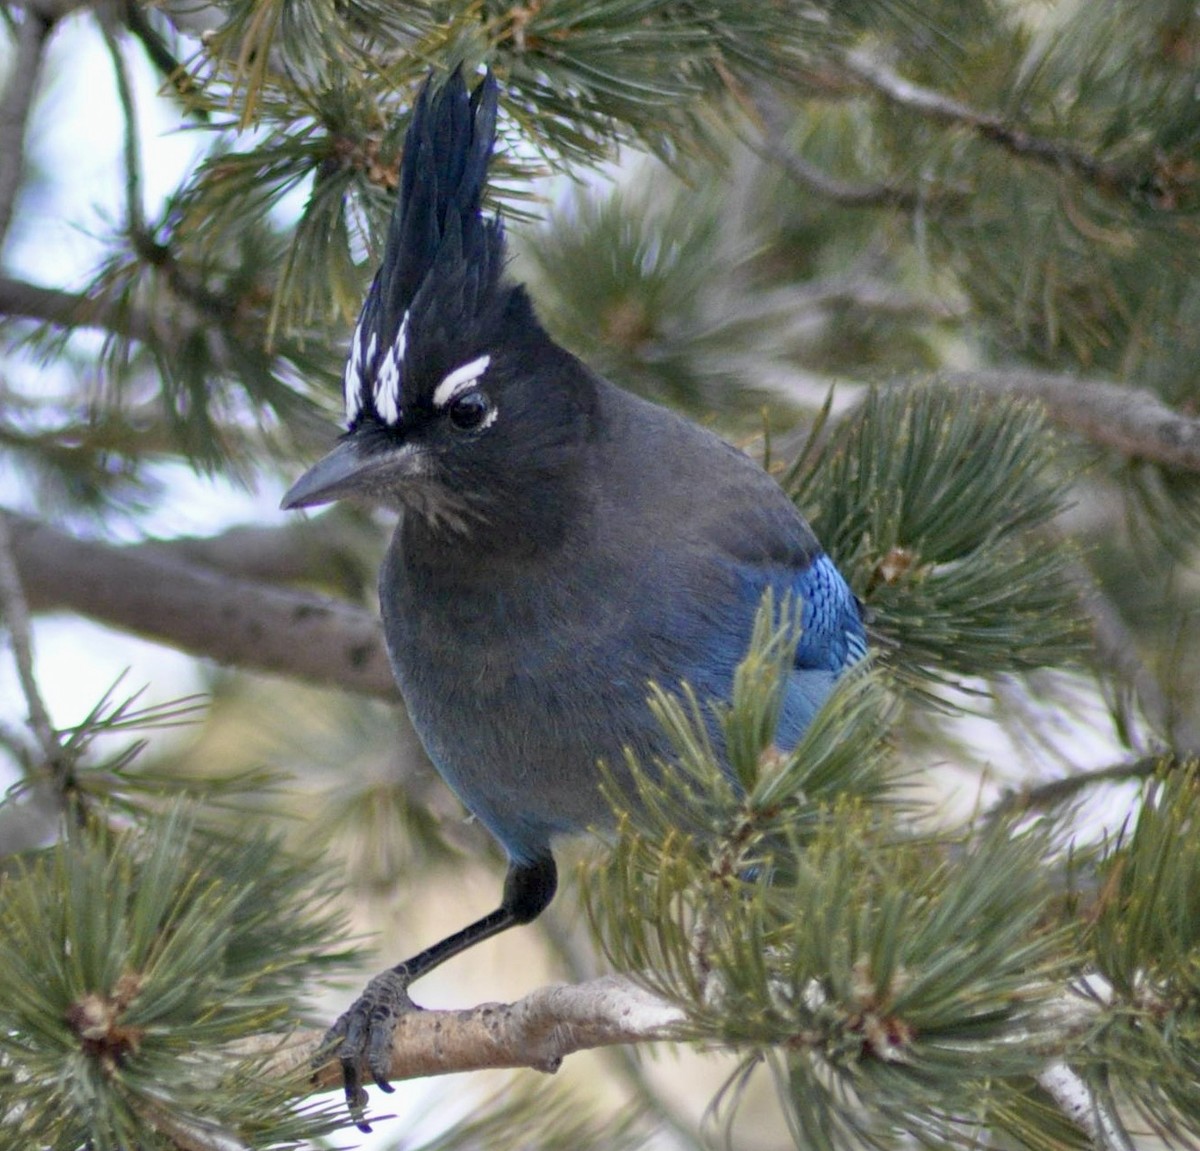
(331, 550)
(1117, 650)
(1054, 792)
(32, 34)
(16, 102)
(1131, 421)
(203, 611)
(937, 106)
(15, 609)
(847, 193)
(1054, 153)
(72, 310)
(1078, 1102)
(538, 1032)
(542, 1029)
(190, 310)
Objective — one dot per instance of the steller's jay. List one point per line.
(563, 543)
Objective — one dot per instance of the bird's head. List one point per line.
(458, 405)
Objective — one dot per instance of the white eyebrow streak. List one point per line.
(459, 380)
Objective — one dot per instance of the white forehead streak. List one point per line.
(402, 339)
(352, 380)
(459, 380)
(387, 380)
(387, 388)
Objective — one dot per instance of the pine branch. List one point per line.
(874, 295)
(1130, 420)
(579, 961)
(328, 549)
(769, 108)
(996, 129)
(14, 608)
(538, 1032)
(203, 314)
(159, 52)
(19, 298)
(203, 343)
(1117, 650)
(182, 281)
(543, 1028)
(131, 158)
(33, 33)
(845, 193)
(233, 621)
(1055, 792)
(1079, 1103)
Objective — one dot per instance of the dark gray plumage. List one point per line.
(563, 543)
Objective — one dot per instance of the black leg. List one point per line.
(364, 1033)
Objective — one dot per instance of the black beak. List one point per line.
(355, 469)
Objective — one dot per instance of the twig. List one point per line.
(15, 105)
(847, 193)
(16, 617)
(1132, 421)
(1053, 153)
(1057, 791)
(203, 611)
(190, 311)
(159, 52)
(580, 965)
(1117, 650)
(72, 310)
(182, 282)
(131, 152)
(190, 1135)
(1139, 425)
(1079, 1103)
(538, 1032)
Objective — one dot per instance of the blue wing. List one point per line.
(832, 639)
(744, 517)
(833, 635)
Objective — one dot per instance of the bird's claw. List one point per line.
(362, 1037)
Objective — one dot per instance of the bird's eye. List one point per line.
(469, 410)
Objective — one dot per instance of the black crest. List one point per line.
(437, 293)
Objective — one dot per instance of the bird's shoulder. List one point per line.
(675, 480)
(687, 489)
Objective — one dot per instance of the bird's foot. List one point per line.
(362, 1037)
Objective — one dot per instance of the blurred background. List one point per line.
(753, 213)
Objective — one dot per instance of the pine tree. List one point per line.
(936, 264)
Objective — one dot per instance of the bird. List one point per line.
(562, 544)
